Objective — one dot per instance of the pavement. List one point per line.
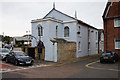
(78, 59)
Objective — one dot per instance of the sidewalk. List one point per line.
(66, 62)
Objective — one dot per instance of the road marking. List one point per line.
(22, 68)
(88, 66)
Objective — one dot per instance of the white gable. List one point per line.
(59, 15)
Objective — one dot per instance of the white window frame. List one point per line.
(117, 22)
(40, 30)
(66, 35)
(117, 44)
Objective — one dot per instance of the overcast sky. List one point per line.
(16, 16)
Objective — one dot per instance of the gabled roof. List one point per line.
(106, 9)
(79, 21)
(59, 12)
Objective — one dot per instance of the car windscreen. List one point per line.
(103, 54)
(5, 50)
(20, 54)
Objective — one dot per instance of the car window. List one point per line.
(5, 50)
(12, 53)
(20, 54)
(106, 54)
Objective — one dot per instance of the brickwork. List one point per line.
(65, 50)
(110, 32)
(42, 56)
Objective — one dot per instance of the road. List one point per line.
(90, 68)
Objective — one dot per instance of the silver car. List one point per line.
(3, 53)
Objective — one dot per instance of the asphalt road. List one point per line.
(90, 68)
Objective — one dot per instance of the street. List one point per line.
(90, 68)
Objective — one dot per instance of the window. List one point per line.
(117, 44)
(78, 31)
(88, 45)
(40, 30)
(96, 36)
(117, 22)
(96, 45)
(56, 31)
(66, 31)
(79, 46)
(79, 28)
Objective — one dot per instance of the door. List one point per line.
(31, 52)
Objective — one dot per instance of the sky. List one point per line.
(16, 15)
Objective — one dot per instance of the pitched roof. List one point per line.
(106, 8)
(59, 12)
(79, 21)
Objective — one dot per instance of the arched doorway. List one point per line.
(41, 50)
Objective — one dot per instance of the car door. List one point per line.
(11, 57)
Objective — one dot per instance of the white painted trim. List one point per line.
(108, 9)
(40, 20)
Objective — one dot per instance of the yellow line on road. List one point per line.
(88, 66)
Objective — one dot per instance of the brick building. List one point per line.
(111, 18)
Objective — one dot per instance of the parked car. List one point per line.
(109, 56)
(3, 53)
(19, 57)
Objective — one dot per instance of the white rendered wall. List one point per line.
(83, 38)
(55, 14)
(49, 32)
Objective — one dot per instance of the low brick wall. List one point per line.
(65, 50)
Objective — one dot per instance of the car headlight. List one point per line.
(20, 60)
(3, 55)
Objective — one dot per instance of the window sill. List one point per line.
(66, 37)
(117, 49)
(116, 26)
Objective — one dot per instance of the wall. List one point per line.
(110, 32)
(49, 32)
(57, 15)
(65, 50)
(42, 55)
(84, 38)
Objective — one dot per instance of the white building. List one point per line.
(59, 25)
(101, 40)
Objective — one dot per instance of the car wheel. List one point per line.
(31, 63)
(6, 60)
(16, 62)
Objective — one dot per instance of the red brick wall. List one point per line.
(114, 10)
(112, 32)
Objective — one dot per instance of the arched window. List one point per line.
(40, 30)
(66, 31)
